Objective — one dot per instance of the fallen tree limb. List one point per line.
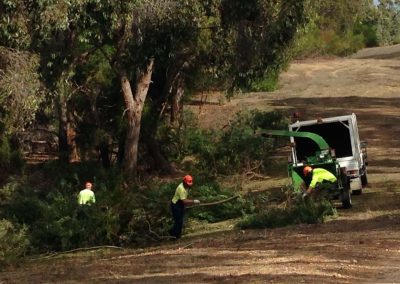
(214, 203)
(76, 250)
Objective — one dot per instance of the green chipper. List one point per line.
(323, 158)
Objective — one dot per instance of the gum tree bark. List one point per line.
(134, 107)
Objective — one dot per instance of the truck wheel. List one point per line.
(364, 179)
(346, 198)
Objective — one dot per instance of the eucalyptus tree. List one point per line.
(340, 16)
(389, 22)
(14, 24)
(156, 44)
(47, 27)
(133, 36)
(237, 41)
(21, 91)
(256, 37)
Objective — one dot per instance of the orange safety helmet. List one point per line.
(307, 170)
(188, 180)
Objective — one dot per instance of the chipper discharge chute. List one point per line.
(323, 158)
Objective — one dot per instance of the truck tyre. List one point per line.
(346, 198)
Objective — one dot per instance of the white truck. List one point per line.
(341, 134)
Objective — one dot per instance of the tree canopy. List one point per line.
(111, 66)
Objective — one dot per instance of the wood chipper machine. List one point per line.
(323, 158)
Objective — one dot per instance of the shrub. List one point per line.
(144, 213)
(146, 216)
(233, 150)
(47, 204)
(369, 32)
(300, 212)
(187, 140)
(65, 225)
(13, 242)
(212, 192)
(240, 149)
(5, 153)
(313, 41)
(267, 84)
(344, 45)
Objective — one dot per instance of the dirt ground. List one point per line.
(361, 245)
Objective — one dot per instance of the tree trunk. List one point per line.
(63, 147)
(134, 107)
(71, 140)
(105, 154)
(176, 106)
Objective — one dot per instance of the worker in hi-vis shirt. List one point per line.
(178, 203)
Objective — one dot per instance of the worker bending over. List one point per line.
(320, 179)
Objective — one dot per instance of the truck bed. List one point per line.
(336, 134)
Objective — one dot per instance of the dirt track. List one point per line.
(362, 245)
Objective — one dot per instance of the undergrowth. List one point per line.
(302, 211)
(40, 204)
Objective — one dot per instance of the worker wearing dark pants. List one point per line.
(178, 203)
(325, 189)
(178, 213)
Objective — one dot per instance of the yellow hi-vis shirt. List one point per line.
(86, 196)
(319, 175)
(180, 194)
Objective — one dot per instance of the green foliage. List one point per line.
(46, 202)
(239, 148)
(257, 36)
(388, 22)
(345, 45)
(213, 192)
(267, 84)
(186, 140)
(14, 24)
(308, 211)
(121, 216)
(21, 91)
(336, 28)
(5, 153)
(309, 43)
(369, 31)
(65, 225)
(233, 150)
(145, 214)
(14, 242)
(315, 42)
(86, 47)
(11, 160)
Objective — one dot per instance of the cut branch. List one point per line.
(214, 203)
